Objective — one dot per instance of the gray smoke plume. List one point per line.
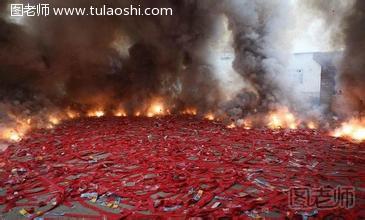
(71, 61)
(79, 62)
(352, 77)
(345, 20)
(259, 30)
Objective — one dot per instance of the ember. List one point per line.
(173, 166)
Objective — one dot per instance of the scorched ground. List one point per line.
(173, 166)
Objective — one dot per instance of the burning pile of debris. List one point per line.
(179, 166)
(161, 65)
(280, 118)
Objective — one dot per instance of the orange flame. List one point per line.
(245, 123)
(54, 119)
(72, 114)
(15, 132)
(209, 116)
(353, 130)
(96, 113)
(156, 108)
(190, 111)
(120, 113)
(282, 118)
(232, 125)
(11, 135)
(312, 125)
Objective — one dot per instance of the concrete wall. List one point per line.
(328, 61)
(304, 75)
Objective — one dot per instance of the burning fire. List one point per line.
(190, 111)
(11, 135)
(72, 114)
(245, 123)
(96, 113)
(353, 130)
(210, 116)
(282, 118)
(312, 125)
(232, 125)
(54, 120)
(16, 131)
(156, 108)
(120, 113)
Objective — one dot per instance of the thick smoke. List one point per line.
(75, 61)
(83, 62)
(352, 77)
(259, 30)
(345, 20)
(87, 61)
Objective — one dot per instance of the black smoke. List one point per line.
(71, 61)
(352, 77)
(57, 62)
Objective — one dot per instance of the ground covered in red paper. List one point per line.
(175, 166)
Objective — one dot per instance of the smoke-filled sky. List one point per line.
(311, 32)
(105, 61)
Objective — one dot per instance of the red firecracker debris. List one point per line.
(180, 167)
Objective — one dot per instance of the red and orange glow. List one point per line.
(353, 130)
(209, 116)
(96, 113)
(282, 118)
(156, 108)
(190, 111)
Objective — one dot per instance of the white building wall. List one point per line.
(304, 75)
